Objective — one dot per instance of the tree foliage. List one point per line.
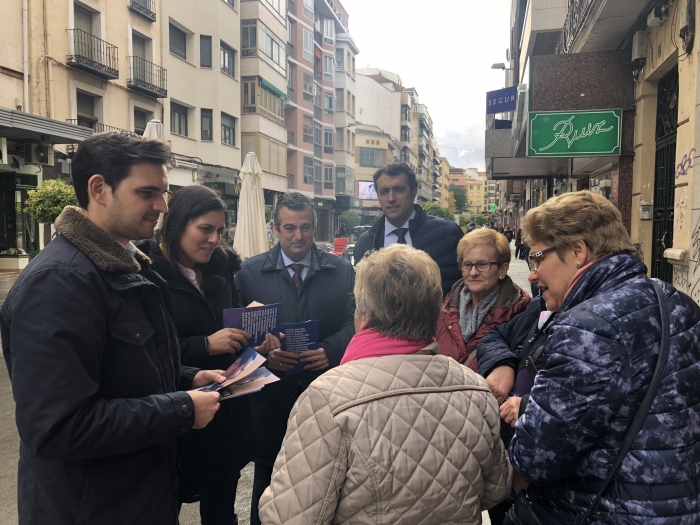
(46, 202)
(349, 219)
(460, 197)
(433, 208)
(480, 220)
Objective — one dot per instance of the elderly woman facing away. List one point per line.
(397, 433)
(483, 298)
(598, 361)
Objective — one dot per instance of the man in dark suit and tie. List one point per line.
(406, 223)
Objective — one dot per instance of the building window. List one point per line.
(267, 103)
(228, 129)
(308, 86)
(309, 9)
(329, 31)
(308, 170)
(178, 42)
(328, 68)
(278, 5)
(140, 119)
(86, 110)
(405, 113)
(405, 156)
(272, 50)
(178, 119)
(317, 133)
(372, 158)
(207, 124)
(308, 45)
(339, 142)
(405, 135)
(318, 173)
(249, 100)
(249, 40)
(308, 129)
(328, 141)
(232, 3)
(228, 62)
(340, 99)
(328, 103)
(328, 177)
(205, 51)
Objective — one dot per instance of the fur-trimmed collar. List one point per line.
(104, 251)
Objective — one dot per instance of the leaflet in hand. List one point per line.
(245, 372)
(298, 338)
(256, 320)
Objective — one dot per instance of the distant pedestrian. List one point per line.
(92, 353)
(310, 284)
(404, 222)
(508, 232)
(398, 433)
(518, 243)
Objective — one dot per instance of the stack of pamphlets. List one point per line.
(245, 376)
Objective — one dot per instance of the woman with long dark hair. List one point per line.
(187, 252)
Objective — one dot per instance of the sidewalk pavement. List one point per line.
(519, 271)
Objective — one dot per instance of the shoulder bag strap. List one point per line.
(645, 405)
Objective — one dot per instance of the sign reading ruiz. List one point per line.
(574, 133)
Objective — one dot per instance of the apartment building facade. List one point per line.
(264, 90)
(202, 114)
(313, 26)
(421, 140)
(345, 103)
(374, 149)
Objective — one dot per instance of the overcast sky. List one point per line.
(445, 49)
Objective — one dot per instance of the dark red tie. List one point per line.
(298, 281)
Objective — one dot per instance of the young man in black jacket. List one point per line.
(404, 222)
(310, 284)
(93, 356)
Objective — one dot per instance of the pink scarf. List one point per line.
(577, 276)
(370, 343)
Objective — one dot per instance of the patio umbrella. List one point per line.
(251, 234)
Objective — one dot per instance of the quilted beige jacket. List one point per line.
(400, 440)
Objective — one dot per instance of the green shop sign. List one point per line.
(574, 133)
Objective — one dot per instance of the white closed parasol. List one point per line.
(251, 234)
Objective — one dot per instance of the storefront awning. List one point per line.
(273, 88)
(25, 127)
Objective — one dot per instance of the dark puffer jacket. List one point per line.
(435, 236)
(599, 359)
(510, 302)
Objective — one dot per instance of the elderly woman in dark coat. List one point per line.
(598, 360)
(187, 252)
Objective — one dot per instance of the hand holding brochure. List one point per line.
(244, 376)
(256, 320)
(299, 338)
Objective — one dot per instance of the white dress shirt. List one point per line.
(306, 261)
(391, 238)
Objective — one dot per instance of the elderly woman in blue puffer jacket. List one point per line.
(599, 358)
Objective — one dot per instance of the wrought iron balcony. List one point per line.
(97, 127)
(147, 77)
(146, 8)
(93, 54)
(575, 17)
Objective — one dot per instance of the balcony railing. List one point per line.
(146, 8)
(93, 54)
(147, 77)
(575, 18)
(97, 127)
(290, 137)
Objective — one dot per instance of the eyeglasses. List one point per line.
(481, 266)
(537, 257)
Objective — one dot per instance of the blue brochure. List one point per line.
(298, 338)
(256, 320)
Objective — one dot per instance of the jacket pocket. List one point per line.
(131, 331)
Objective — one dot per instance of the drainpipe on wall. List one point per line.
(47, 57)
(25, 45)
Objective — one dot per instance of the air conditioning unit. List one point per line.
(639, 44)
(38, 154)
